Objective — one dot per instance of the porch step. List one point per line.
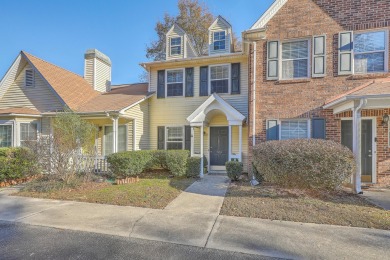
(218, 173)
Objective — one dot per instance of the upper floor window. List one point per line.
(295, 59)
(369, 52)
(175, 46)
(175, 83)
(219, 40)
(29, 78)
(219, 78)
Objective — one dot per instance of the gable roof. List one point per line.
(19, 111)
(118, 99)
(178, 27)
(267, 16)
(223, 20)
(71, 88)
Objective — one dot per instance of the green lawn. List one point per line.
(269, 202)
(154, 190)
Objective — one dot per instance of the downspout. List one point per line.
(254, 96)
(357, 137)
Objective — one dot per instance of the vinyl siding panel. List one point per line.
(11, 75)
(141, 114)
(173, 34)
(89, 71)
(103, 76)
(40, 97)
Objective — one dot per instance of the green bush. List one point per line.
(193, 167)
(16, 163)
(234, 169)
(304, 163)
(158, 160)
(177, 161)
(129, 163)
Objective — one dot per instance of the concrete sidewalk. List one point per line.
(193, 219)
(380, 197)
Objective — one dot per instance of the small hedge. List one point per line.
(131, 163)
(234, 169)
(193, 167)
(304, 163)
(16, 163)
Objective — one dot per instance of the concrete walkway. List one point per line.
(380, 197)
(193, 219)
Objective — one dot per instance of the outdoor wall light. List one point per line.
(385, 119)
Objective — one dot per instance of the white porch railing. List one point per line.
(98, 164)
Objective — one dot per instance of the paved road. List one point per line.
(20, 241)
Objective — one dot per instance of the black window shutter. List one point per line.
(272, 130)
(187, 138)
(161, 84)
(189, 82)
(235, 78)
(318, 128)
(161, 137)
(204, 80)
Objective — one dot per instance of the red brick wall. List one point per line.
(305, 98)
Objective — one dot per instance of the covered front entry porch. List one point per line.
(364, 128)
(218, 134)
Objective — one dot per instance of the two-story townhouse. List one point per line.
(33, 91)
(319, 69)
(201, 101)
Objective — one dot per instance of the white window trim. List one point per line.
(12, 124)
(166, 82)
(229, 77)
(213, 41)
(386, 60)
(295, 119)
(181, 46)
(39, 130)
(166, 136)
(104, 138)
(33, 78)
(308, 58)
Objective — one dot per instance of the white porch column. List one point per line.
(357, 140)
(201, 151)
(240, 142)
(115, 134)
(134, 135)
(192, 141)
(230, 143)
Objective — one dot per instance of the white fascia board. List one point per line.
(13, 68)
(267, 16)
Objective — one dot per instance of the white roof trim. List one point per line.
(173, 26)
(215, 102)
(267, 16)
(11, 71)
(222, 19)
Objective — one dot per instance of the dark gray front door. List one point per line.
(219, 145)
(346, 139)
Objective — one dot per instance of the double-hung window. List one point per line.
(219, 78)
(175, 46)
(108, 139)
(28, 133)
(294, 129)
(369, 52)
(175, 84)
(175, 138)
(219, 40)
(295, 59)
(5, 135)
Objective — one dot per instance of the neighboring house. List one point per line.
(33, 90)
(321, 71)
(201, 101)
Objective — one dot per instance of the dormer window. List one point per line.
(176, 46)
(29, 78)
(219, 40)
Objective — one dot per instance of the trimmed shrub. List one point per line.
(177, 161)
(129, 163)
(193, 167)
(234, 169)
(304, 163)
(16, 163)
(158, 160)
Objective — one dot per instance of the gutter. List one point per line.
(351, 97)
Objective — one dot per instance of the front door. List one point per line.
(366, 145)
(219, 145)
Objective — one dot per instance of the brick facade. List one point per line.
(284, 99)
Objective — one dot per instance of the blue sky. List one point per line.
(61, 31)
